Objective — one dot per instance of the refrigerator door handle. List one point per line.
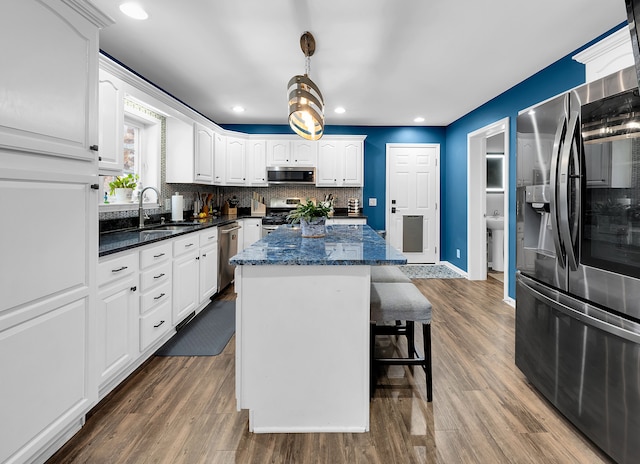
(577, 313)
(564, 185)
(558, 144)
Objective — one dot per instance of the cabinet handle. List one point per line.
(204, 255)
(158, 256)
(158, 324)
(211, 238)
(95, 186)
(121, 269)
(188, 245)
(133, 289)
(158, 276)
(159, 296)
(197, 258)
(93, 148)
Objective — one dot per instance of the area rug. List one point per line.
(429, 271)
(206, 335)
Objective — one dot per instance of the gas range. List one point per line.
(278, 210)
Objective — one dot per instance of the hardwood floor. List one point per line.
(182, 409)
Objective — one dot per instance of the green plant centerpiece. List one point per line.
(122, 187)
(312, 218)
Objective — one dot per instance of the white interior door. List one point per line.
(413, 194)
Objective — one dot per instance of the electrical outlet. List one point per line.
(373, 202)
(457, 252)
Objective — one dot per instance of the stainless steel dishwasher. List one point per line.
(227, 248)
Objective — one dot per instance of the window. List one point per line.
(141, 147)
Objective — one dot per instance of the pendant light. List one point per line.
(306, 105)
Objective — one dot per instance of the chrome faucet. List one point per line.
(141, 213)
(496, 212)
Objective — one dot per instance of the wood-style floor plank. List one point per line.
(183, 410)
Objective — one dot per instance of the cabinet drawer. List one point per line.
(155, 296)
(155, 276)
(155, 324)
(184, 245)
(208, 236)
(155, 255)
(111, 269)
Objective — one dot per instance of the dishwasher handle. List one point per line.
(226, 231)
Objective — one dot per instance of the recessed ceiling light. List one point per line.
(419, 119)
(133, 10)
(238, 109)
(339, 110)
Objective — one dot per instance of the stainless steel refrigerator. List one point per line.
(578, 258)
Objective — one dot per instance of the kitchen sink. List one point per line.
(154, 234)
(169, 228)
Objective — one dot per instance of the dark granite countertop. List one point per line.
(125, 239)
(344, 245)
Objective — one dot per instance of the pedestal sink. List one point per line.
(496, 224)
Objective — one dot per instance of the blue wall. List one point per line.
(374, 155)
(556, 78)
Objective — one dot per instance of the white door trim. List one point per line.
(476, 201)
(437, 187)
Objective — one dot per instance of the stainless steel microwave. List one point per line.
(291, 175)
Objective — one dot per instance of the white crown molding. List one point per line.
(620, 38)
(91, 12)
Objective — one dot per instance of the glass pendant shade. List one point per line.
(306, 108)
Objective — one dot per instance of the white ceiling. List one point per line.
(385, 61)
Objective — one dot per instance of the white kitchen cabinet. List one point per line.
(252, 231)
(235, 161)
(304, 152)
(49, 81)
(117, 317)
(340, 163)
(203, 153)
(185, 277)
(156, 293)
(111, 123)
(190, 152)
(257, 163)
(220, 159)
(180, 166)
(292, 152)
(278, 152)
(208, 266)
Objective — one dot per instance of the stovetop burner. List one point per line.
(278, 210)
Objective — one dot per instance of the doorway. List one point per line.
(412, 199)
(477, 153)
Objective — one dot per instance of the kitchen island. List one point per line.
(302, 328)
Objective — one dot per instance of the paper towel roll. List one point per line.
(177, 206)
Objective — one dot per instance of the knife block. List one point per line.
(228, 211)
(258, 209)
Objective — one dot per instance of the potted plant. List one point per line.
(122, 187)
(312, 218)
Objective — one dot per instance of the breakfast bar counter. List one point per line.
(302, 328)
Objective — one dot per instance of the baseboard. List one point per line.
(510, 301)
(455, 269)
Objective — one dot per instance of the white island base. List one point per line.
(302, 347)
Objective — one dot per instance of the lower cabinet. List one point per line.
(185, 277)
(156, 291)
(252, 231)
(116, 317)
(208, 267)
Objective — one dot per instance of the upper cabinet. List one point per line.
(49, 101)
(257, 163)
(219, 159)
(236, 161)
(111, 122)
(340, 163)
(203, 154)
(292, 153)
